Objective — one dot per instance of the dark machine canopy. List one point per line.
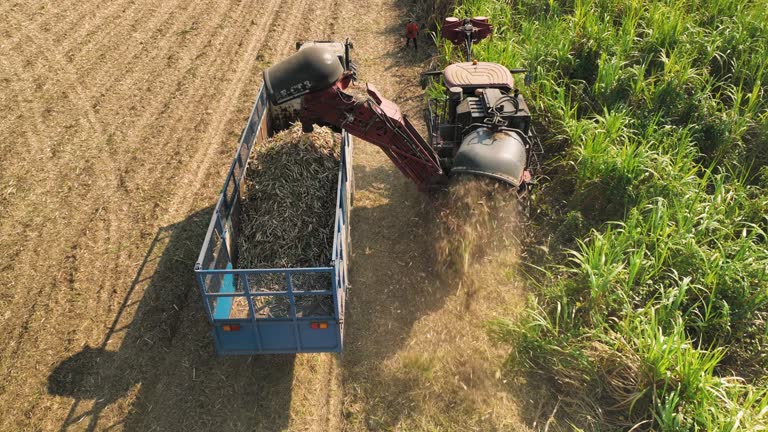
(312, 68)
(496, 154)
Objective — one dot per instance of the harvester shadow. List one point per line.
(396, 278)
(395, 282)
(166, 368)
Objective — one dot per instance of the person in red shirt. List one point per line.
(411, 32)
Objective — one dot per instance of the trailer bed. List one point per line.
(248, 320)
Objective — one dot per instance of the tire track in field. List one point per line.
(69, 78)
(137, 35)
(105, 44)
(210, 67)
(294, 16)
(193, 178)
(46, 49)
(156, 113)
(286, 16)
(36, 146)
(59, 64)
(69, 22)
(31, 111)
(196, 97)
(39, 132)
(210, 70)
(289, 19)
(169, 88)
(97, 40)
(52, 51)
(211, 143)
(31, 31)
(141, 38)
(33, 310)
(330, 31)
(158, 19)
(186, 63)
(160, 119)
(195, 174)
(82, 106)
(79, 100)
(118, 222)
(16, 344)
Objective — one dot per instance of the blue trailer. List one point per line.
(232, 295)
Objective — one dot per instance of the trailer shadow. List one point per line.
(165, 367)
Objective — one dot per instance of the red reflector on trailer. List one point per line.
(231, 327)
(318, 325)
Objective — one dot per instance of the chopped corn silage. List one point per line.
(287, 218)
(477, 217)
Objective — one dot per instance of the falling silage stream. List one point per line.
(476, 218)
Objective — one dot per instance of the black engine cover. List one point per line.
(492, 103)
(499, 154)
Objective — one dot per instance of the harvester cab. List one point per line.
(479, 125)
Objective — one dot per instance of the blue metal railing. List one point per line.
(222, 283)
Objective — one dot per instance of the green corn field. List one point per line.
(648, 307)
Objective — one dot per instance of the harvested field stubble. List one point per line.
(287, 217)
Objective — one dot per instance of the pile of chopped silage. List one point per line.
(287, 218)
